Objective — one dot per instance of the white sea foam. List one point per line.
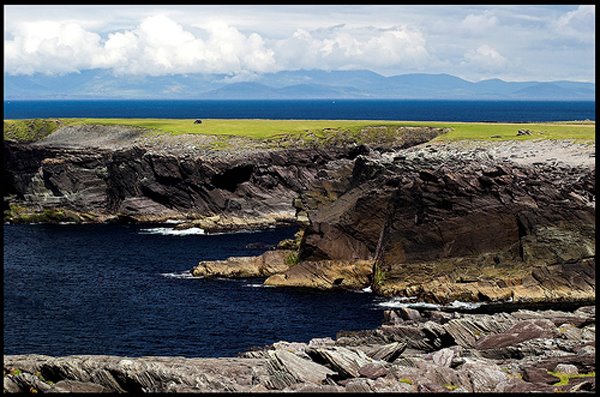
(465, 305)
(172, 221)
(182, 275)
(397, 303)
(67, 223)
(259, 286)
(167, 231)
(406, 302)
(367, 290)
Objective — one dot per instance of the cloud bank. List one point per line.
(471, 42)
(161, 46)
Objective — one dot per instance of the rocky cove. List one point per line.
(429, 351)
(510, 221)
(465, 221)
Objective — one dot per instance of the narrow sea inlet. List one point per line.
(125, 290)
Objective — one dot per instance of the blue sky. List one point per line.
(515, 43)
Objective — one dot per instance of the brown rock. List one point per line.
(72, 386)
(345, 361)
(389, 352)
(287, 369)
(520, 332)
(538, 375)
(269, 263)
(409, 314)
(473, 228)
(373, 370)
(325, 274)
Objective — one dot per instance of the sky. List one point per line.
(513, 43)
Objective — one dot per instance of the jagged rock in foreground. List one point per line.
(524, 351)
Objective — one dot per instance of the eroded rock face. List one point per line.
(325, 274)
(458, 352)
(137, 184)
(267, 264)
(443, 225)
(101, 173)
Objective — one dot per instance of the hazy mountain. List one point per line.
(102, 84)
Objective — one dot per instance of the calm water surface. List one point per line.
(122, 290)
(413, 110)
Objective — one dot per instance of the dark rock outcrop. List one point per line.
(358, 361)
(101, 173)
(443, 226)
(137, 184)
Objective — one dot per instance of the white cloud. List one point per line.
(345, 47)
(52, 47)
(486, 59)
(555, 42)
(479, 22)
(579, 23)
(157, 46)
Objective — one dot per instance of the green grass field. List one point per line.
(27, 130)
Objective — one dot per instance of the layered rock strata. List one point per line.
(460, 221)
(115, 173)
(267, 264)
(430, 351)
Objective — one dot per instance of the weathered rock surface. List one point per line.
(325, 274)
(390, 358)
(443, 222)
(101, 173)
(271, 262)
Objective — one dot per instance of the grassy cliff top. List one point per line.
(33, 130)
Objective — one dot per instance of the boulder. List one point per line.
(567, 369)
(287, 369)
(520, 332)
(344, 361)
(389, 352)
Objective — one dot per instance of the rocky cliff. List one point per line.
(102, 173)
(457, 221)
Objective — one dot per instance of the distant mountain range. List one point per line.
(301, 84)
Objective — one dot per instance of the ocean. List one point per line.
(411, 110)
(127, 290)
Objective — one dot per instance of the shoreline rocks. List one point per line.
(267, 264)
(522, 351)
(324, 275)
(443, 222)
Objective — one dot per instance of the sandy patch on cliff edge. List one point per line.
(551, 152)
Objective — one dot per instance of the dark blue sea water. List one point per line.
(412, 110)
(120, 290)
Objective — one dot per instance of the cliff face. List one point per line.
(149, 184)
(101, 173)
(443, 223)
